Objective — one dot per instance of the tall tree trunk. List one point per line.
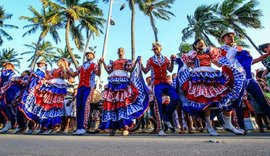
(247, 37)
(132, 30)
(154, 27)
(89, 34)
(35, 58)
(68, 45)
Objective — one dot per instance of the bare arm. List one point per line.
(65, 74)
(259, 59)
(73, 74)
(144, 69)
(265, 72)
(171, 66)
(105, 66)
(47, 75)
(98, 71)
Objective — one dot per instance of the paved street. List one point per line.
(134, 145)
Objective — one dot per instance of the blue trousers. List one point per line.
(167, 89)
(81, 98)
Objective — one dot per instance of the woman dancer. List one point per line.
(205, 87)
(50, 98)
(124, 97)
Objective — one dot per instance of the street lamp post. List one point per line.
(109, 22)
(106, 35)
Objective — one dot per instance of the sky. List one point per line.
(119, 35)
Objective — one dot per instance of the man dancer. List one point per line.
(159, 65)
(86, 85)
(243, 61)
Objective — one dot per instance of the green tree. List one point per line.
(133, 12)
(203, 24)
(45, 51)
(72, 11)
(93, 26)
(184, 48)
(48, 22)
(238, 15)
(158, 9)
(63, 53)
(10, 55)
(3, 34)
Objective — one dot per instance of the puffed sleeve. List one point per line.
(128, 64)
(110, 66)
(189, 57)
(214, 54)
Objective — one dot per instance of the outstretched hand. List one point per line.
(140, 60)
(173, 57)
(101, 60)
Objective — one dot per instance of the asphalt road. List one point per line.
(134, 145)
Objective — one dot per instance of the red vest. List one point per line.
(85, 75)
(160, 72)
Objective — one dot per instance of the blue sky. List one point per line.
(119, 35)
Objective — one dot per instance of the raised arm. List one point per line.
(98, 68)
(70, 72)
(259, 59)
(171, 64)
(105, 66)
(265, 72)
(146, 69)
(65, 73)
(48, 75)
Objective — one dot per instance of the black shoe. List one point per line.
(172, 130)
(112, 133)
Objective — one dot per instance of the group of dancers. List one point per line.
(38, 97)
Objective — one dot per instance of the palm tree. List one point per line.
(156, 9)
(237, 15)
(93, 26)
(63, 53)
(47, 21)
(72, 11)
(202, 24)
(10, 55)
(45, 51)
(4, 16)
(132, 6)
(184, 48)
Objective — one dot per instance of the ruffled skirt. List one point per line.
(50, 98)
(28, 103)
(124, 100)
(43, 101)
(206, 87)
